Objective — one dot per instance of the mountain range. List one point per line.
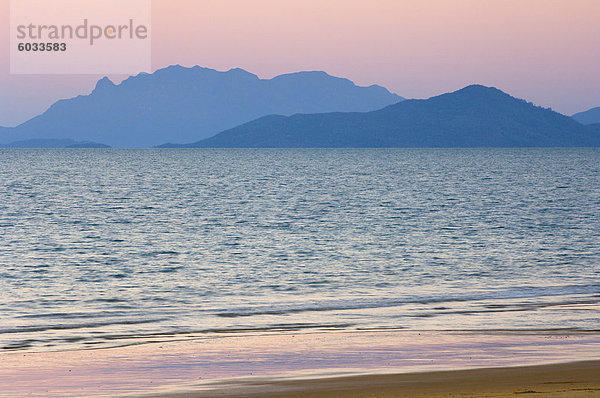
(591, 116)
(181, 104)
(475, 116)
(304, 109)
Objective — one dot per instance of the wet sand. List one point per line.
(317, 364)
(578, 379)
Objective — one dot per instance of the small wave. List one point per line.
(19, 345)
(340, 305)
(160, 253)
(170, 270)
(108, 300)
(74, 315)
(124, 339)
(43, 328)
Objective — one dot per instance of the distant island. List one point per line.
(476, 116)
(591, 116)
(54, 143)
(181, 104)
(178, 107)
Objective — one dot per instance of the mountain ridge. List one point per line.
(474, 116)
(184, 104)
(591, 116)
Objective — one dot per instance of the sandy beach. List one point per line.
(577, 379)
(318, 364)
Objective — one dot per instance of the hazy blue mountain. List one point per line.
(53, 143)
(180, 104)
(87, 144)
(590, 116)
(475, 116)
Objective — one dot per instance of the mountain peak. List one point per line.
(319, 73)
(313, 74)
(476, 93)
(174, 67)
(183, 104)
(479, 89)
(177, 68)
(105, 82)
(242, 72)
(475, 116)
(591, 116)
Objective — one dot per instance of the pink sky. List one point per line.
(545, 51)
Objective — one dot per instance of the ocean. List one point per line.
(111, 247)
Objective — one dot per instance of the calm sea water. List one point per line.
(110, 247)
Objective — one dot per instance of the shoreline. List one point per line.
(572, 379)
(234, 364)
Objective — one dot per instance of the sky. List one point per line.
(545, 51)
